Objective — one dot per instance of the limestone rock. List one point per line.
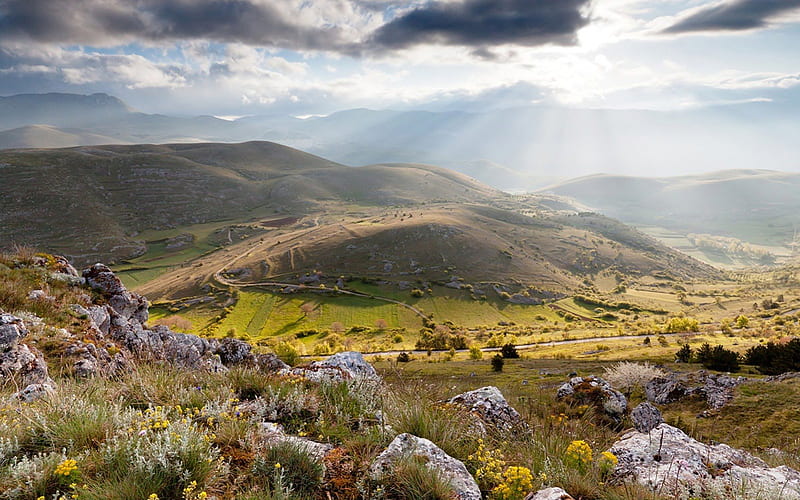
(270, 363)
(717, 390)
(549, 494)
(33, 392)
(12, 330)
(407, 445)
(664, 390)
(128, 305)
(646, 417)
(669, 461)
(342, 366)
(272, 434)
(233, 351)
(596, 392)
(488, 404)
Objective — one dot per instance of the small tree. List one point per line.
(497, 363)
(509, 351)
(403, 357)
(684, 354)
(475, 353)
(742, 321)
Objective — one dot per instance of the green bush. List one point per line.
(497, 363)
(289, 464)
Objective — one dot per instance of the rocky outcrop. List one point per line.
(349, 365)
(410, 446)
(489, 405)
(669, 461)
(549, 494)
(272, 434)
(130, 306)
(595, 391)
(646, 417)
(717, 390)
(22, 364)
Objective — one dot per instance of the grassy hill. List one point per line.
(92, 202)
(730, 218)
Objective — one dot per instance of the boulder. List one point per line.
(670, 462)
(27, 368)
(342, 366)
(272, 434)
(488, 404)
(270, 363)
(408, 445)
(664, 390)
(233, 351)
(12, 330)
(126, 304)
(596, 392)
(717, 390)
(549, 494)
(646, 417)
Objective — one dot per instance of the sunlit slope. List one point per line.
(437, 242)
(756, 206)
(91, 202)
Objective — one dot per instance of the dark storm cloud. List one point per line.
(114, 22)
(733, 15)
(486, 22)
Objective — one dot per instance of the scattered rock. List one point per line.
(664, 390)
(40, 295)
(233, 351)
(183, 240)
(12, 330)
(408, 445)
(341, 366)
(488, 404)
(717, 390)
(549, 494)
(669, 461)
(596, 392)
(527, 300)
(646, 417)
(272, 434)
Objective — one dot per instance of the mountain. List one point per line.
(512, 149)
(35, 135)
(758, 207)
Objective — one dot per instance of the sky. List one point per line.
(314, 57)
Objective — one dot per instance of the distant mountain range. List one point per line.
(514, 149)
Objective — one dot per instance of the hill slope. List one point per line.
(758, 207)
(91, 202)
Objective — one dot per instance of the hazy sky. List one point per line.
(232, 57)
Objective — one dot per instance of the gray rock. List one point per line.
(670, 462)
(270, 363)
(40, 295)
(233, 351)
(12, 330)
(272, 434)
(595, 391)
(33, 392)
(717, 390)
(25, 365)
(488, 404)
(126, 304)
(407, 445)
(521, 299)
(646, 417)
(664, 390)
(346, 365)
(549, 494)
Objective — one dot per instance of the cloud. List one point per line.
(477, 23)
(288, 24)
(731, 15)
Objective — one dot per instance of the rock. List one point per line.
(646, 417)
(12, 330)
(549, 494)
(670, 462)
(596, 392)
(346, 365)
(33, 392)
(40, 295)
(407, 445)
(718, 389)
(272, 434)
(664, 390)
(527, 300)
(233, 351)
(126, 304)
(180, 241)
(270, 363)
(488, 404)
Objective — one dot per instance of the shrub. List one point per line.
(722, 359)
(774, 359)
(509, 351)
(742, 321)
(684, 354)
(403, 357)
(679, 325)
(475, 353)
(497, 363)
(627, 376)
(411, 478)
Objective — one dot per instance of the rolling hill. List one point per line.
(91, 202)
(760, 208)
